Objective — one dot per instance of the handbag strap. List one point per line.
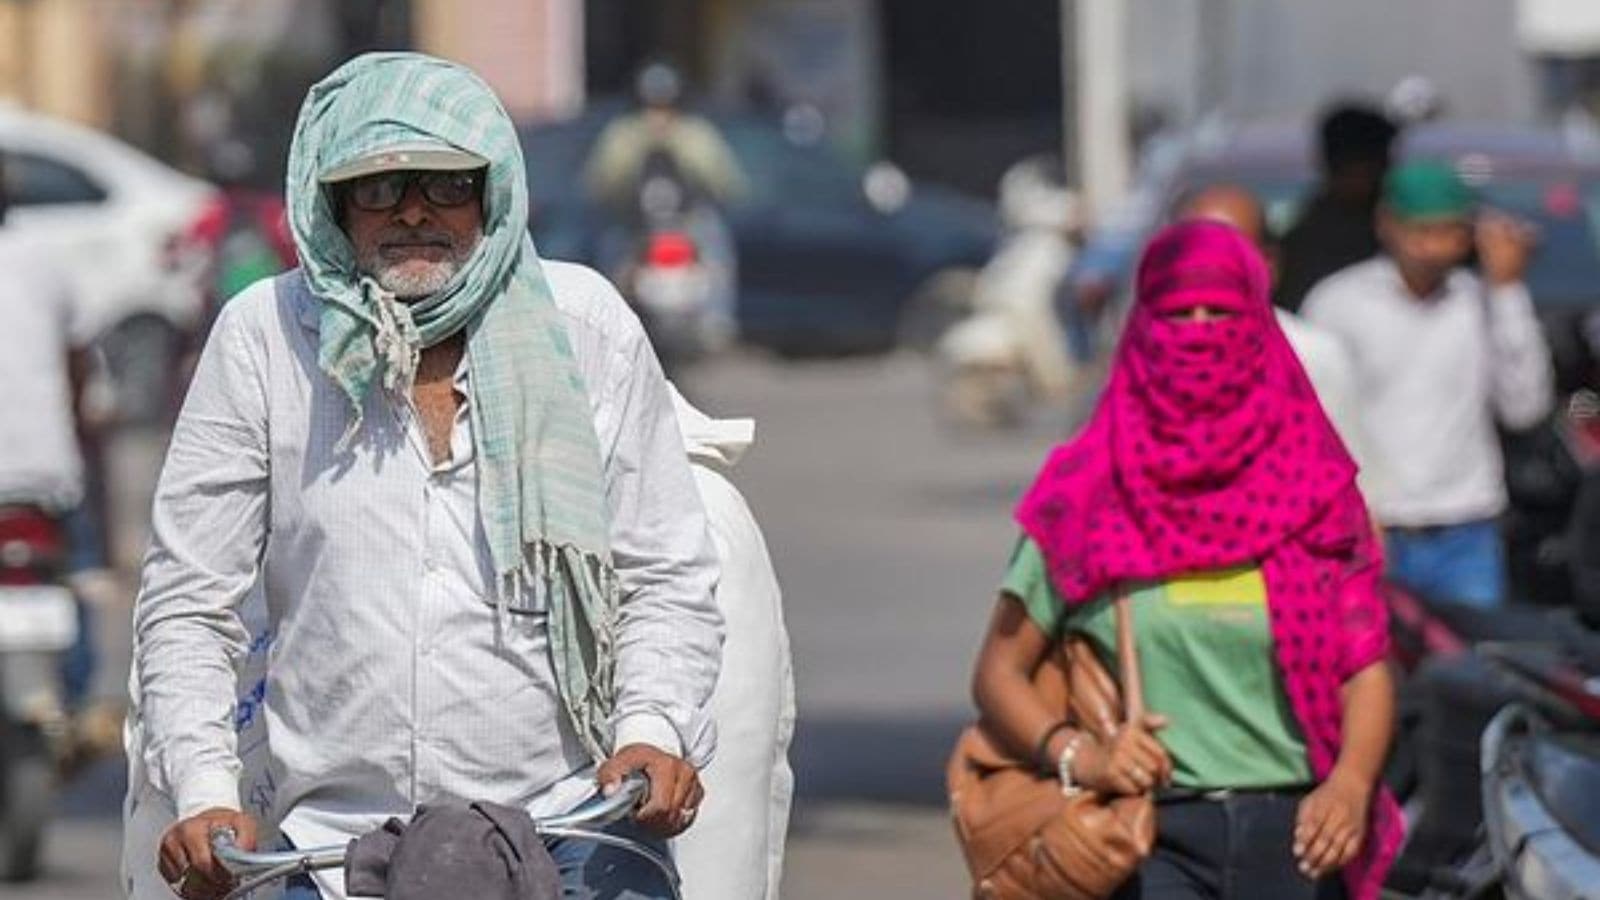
(1128, 660)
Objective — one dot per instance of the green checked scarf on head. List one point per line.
(541, 495)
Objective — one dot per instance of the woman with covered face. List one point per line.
(1211, 491)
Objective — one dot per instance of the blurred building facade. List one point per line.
(947, 88)
(1277, 58)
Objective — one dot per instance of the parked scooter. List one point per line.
(1541, 760)
(38, 623)
(1541, 794)
(1009, 351)
(1464, 667)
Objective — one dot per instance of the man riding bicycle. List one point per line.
(455, 471)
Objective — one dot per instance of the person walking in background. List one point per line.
(47, 448)
(661, 143)
(1337, 228)
(456, 473)
(1321, 353)
(1210, 489)
(735, 850)
(1440, 354)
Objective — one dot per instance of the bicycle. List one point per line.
(257, 869)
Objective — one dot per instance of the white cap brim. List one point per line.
(435, 157)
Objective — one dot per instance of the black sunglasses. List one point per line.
(384, 191)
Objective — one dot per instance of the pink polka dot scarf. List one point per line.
(1209, 449)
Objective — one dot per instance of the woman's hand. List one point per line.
(1331, 825)
(1131, 763)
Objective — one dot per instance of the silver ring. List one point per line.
(688, 813)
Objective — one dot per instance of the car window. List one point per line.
(33, 180)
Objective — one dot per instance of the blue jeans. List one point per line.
(1457, 563)
(589, 871)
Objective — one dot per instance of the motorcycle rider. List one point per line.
(661, 138)
(696, 148)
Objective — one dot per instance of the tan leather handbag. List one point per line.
(1025, 840)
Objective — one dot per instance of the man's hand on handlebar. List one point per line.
(675, 791)
(185, 857)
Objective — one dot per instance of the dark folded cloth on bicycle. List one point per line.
(483, 850)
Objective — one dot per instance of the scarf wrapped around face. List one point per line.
(1207, 450)
(541, 494)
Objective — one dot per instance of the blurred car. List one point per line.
(134, 234)
(1531, 172)
(831, 258)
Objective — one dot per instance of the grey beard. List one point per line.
(415, 285)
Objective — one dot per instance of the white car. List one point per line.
(135, 235)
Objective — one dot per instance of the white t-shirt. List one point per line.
(40, 323)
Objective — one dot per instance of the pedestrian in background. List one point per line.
(47, 448)
(1441, 353)
(1336, 229)
(1210, 489)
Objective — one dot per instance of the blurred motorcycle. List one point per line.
(38, 624)
(678, 275)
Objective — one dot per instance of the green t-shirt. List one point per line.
(1206, 653)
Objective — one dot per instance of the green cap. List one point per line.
(1427, 189)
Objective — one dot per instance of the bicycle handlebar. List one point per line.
(254, 869)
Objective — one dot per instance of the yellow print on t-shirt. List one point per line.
(1242, 586)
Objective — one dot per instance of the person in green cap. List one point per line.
(455, 473)
(1441, 353)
